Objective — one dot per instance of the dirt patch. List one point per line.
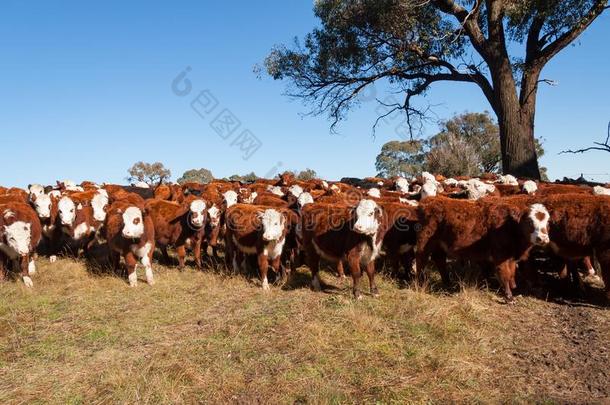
(561, 351)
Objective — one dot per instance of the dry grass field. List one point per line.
(206, 337)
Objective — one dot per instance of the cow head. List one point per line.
(17, 235)
(42, 205)
(214, 214)
(304, 199)
(402, 185)
(99, 203)
(133, 223)
(35, 190)
(367, 217)
(273, 224)
(197, 213)
(374, 192)
(429, 189)
(537, 224)
(230, 198)
(67, 211)
(295, 190)
(277, 190)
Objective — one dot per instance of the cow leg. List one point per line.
(370, 272)
(166, 259)
(440, 261)
(24, 264)
(313, 262)
(353, 262)
(197, 253)
(181, 250)
(146, 261)
(2, 268)
(340, 270)
(506, 275)
(263, 266)
(276, 265)
(131, 263)
(586, 261)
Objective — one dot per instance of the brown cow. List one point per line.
(579, 226)
(257, 230)
(19, 237)
(338, 233)
(179, 225)
(130, 233)
(501, 231)
(401, 237)
(75, 219)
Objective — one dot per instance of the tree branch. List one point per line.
(566, 38)
(603, 146)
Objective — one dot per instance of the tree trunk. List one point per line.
(516, 123)
(517, 142)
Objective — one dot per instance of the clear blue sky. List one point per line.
(86, 91)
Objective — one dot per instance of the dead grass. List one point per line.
(208, 337)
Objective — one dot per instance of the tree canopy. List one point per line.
(467, 145)
(150, 173)
(412, 44)
(196, 176)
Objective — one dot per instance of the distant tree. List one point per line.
(246, 178)
(196, 176)
(150, 173)
(467, 145)
(454, 156)
(307, 174)
(499, 46)
(401, 158)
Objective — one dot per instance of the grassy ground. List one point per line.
(207, 337)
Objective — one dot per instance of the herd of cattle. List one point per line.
(494, 221)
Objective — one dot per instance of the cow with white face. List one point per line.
(295, 190)
(304, 199)
(212, 230)
(277, 190)
(42, 203)
(197, 213)
(19, 236)
(67, 211)
(374, 192)
(35, 190)
(402, 185)
(367, 217)
(99, 203)
(230, 198)
(538, 225)
(133, 223)
(130, 234)
(273, 224)
(257, 230)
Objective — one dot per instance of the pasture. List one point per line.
(213, 337)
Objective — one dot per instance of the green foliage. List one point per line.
(401, 158)
(307, 174)
(150, 173)
(467, 145)
(196, 176)
(246, 178)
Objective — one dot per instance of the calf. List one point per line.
(19, 237)
(179, 225)
(338, 233)
(501, 231)
(130, 233)
(76, 223)
(257, 230)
